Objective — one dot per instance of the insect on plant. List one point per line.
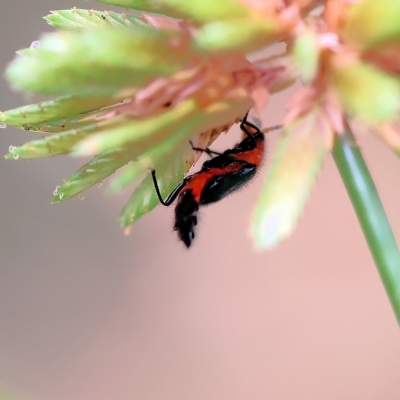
(218, 177)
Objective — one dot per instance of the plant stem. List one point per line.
(370, 213)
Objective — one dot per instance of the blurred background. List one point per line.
(88, 313)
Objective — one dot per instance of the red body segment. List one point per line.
(198, 181)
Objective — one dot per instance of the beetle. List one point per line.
(218, 177)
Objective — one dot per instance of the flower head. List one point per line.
(132, 90)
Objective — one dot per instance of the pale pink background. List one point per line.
(86, 313)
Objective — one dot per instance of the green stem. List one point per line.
(370, 213)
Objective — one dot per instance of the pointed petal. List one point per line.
(61, 107)
(94, 172)
(295, 164)
(144, 198)
(62, 125)
(80, 62)
(199, 11)
(61, 143)
(77, 19)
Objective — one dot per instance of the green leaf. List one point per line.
(367, 92)
(95, 171)
(61, 143)
(298, 158)
(144, 199)
(60, 108)
(242, 34)
(151, 157)
(78, 19)
(371, 22)
(199, 11)
(97, 61)
(79, 121)
(58, 125)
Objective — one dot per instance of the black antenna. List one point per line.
(171, 198)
